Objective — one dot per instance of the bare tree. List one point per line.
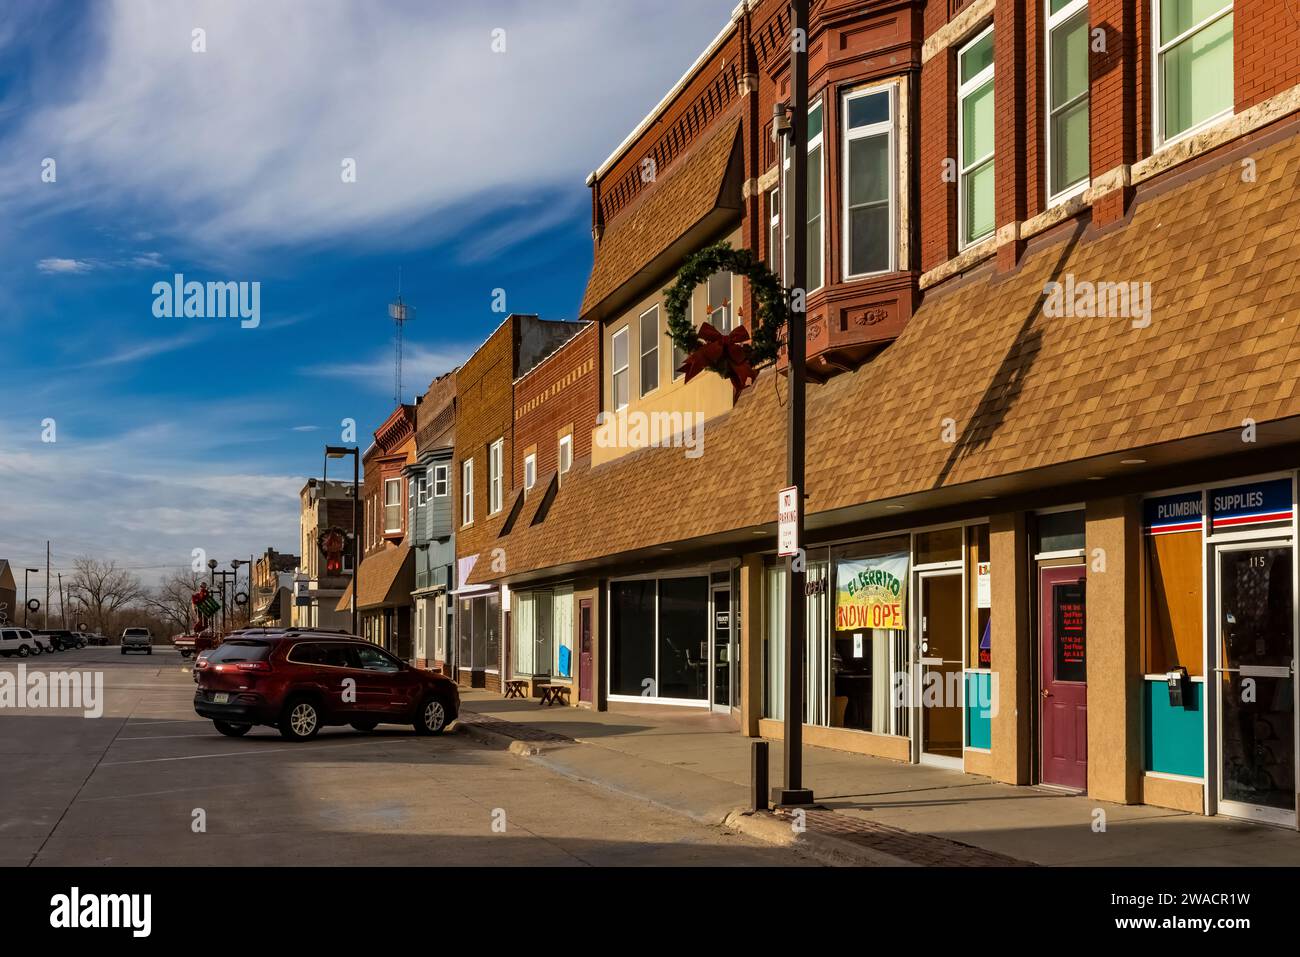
(104, 588)
(171, 600)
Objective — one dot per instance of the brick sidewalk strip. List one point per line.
(923, 849)
(511, 729)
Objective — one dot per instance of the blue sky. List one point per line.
(224, 165)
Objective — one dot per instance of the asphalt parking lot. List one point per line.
(151, 783)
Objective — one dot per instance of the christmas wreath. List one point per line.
(735, 355)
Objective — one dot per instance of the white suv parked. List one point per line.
(18, 641)
(137, 639)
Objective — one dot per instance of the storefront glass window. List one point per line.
(943, 545)
(683, 638)
(562, 632)
(492, 632)
(979, 579)
(632, 636)
(1174, 600)
(870, 637)
(816, 643)
(1060, 531)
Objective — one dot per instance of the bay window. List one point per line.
(816, 273)
(869, 195)
(975, 212)
(392, 505)
(1193, 71)
(1068, 157)
(719, 306)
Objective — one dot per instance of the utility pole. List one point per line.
(793, 792)
(63, 614)
(47, 586)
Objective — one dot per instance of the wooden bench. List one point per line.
(554, 694)
(515, 688)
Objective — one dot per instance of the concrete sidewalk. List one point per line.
(884, 812)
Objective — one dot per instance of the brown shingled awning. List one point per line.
(387, 580)
(693, 200)
(1038, 401)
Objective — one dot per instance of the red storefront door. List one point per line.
(584, 650)
(1063, 690)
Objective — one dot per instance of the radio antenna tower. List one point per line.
(401, 314)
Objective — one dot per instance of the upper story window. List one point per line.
(975, 212)
(649, 323)
(495, 489)
(530, 471)
(467, 492)
(869, 194)
(774, 231)
(1068, 157)
(565, 456)
(718, 307)
(422, 489)
(392, 505)
(440, 476)
(621, 390)
(816, 274)
(1193, 74)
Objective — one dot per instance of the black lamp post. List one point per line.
(339, 452)
(794, 793)
(235, 563)
(26, 596)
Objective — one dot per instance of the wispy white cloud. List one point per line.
(56, 266)
(246, 142)
(420, 365)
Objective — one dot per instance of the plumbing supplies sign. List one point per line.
(872, 593)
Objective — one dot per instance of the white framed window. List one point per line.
(1066, 126)
(719, 309)
(649, 329)
(869, 182)
(440, 475)
(816, 203)
(619, 348)
(975, 185)
(467, 492)
(530, 471)
(422, 489)
(774, 231)
(392, 505)
(565, 454)
(1193, 66)
(440, 628)
(495, 482)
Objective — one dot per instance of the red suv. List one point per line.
(299, 682)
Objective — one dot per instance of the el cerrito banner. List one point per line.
(872, 593)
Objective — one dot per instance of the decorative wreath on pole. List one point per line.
(736, 355)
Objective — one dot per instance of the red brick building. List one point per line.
(1051, 307)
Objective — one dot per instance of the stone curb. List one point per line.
(498, 740)
(825, 848)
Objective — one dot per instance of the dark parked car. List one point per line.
(300, 682)
(95, 638)
(63, 638)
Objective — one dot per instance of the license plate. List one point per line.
(221, 698)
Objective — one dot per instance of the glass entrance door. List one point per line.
(1255, 628)
(939, 660)
(722, 649)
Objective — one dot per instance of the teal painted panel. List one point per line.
(1175, 737)
(979, 706)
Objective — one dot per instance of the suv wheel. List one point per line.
(23, 651)
(431, 718)
(300, 720)
(232, 730)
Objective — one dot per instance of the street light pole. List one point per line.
(793, 792)
(338, 452)
(26, 593)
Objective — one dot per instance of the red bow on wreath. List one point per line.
(726, 355)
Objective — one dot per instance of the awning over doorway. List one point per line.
(387, 580)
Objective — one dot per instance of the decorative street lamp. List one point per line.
(339, 452)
